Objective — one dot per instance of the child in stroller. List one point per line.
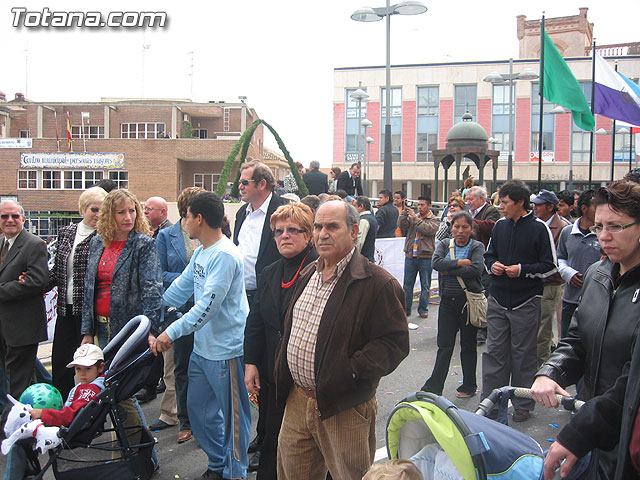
(125, 451)
(88, 362)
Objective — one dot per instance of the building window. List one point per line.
(81, 179)
(580, 139)
(548, 121)
(91, 177)
(500, 117)
(200, 133)
(51, 179)
(465, 99)
(425, 190)
(622, 146)
(142, 130)
(208, 181)
(24, 134)
(396, 122)
(427, 126)
(28, 179)
(120, 177)
(351, 126)
(90, 131)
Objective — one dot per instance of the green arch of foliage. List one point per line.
(242, 146)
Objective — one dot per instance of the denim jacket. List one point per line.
(136, 286)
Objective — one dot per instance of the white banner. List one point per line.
(51, 306)
(72, 160)
(390, 256)
(16, 143)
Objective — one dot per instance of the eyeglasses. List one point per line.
(146, 209)
(246, 182)
(14, 216)
(454, 205)
(94, 209)
(598, 227)
(290, 231)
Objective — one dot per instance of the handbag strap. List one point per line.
(452, 254)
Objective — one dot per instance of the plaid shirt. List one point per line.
(58, 275)
(307, 313)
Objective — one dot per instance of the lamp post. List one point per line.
(368, 14)
(359, 96)
(366, 123)
(498, 78)
(492, 144)
(369, 142)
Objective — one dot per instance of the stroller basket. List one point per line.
(445, 442)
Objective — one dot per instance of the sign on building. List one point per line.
(16, 142)
(546, 156)
(89, 160)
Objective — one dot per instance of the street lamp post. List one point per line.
(368, 14)
(366, 123)
(369, 142)
(498, 78)
(359, 96)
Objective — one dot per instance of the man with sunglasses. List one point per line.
(23, 320)
(252, 233)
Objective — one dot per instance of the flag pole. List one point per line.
(613, 141)
(55, 116)
(593, 95)
(541, 93)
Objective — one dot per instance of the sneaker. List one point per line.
(424, 314)
(520, 415)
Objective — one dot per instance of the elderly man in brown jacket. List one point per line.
(339, 340)
(419, 246)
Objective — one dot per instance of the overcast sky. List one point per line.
(280, 54)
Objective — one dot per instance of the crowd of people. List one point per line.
(280, 310)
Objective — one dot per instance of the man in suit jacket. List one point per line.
(479, 208)
(252, 233)
(349, 180)
(315, 180)
(24, 278)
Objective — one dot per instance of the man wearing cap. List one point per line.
(545, 207)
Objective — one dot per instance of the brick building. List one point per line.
(428, 99)
(152, 147)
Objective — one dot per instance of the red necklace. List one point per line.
(293, 280)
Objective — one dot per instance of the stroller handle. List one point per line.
(568, 403)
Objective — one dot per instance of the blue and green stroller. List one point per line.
(449, 443)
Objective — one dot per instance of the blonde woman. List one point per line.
(123, 272)
(68, 273)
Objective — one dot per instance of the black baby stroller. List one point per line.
(448, 443)
(89, 450)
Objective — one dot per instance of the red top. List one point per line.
(82, 395)
(104, 276)
(634, 444)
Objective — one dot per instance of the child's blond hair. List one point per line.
(393, 470)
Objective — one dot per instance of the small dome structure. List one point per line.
(467, 132)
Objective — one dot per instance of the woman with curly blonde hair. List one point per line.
(123, 272)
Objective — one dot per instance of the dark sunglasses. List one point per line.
(14, 216)
(95, 209)
(290, 231)
(246, 182)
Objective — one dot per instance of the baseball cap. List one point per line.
(86, 355)
(545, 196)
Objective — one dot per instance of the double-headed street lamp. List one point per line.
(366, 124)
(359, 96)
(497, 78)
(368, 14)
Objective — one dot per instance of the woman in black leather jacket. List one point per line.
(603, 328)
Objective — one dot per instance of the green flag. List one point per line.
(562, 88)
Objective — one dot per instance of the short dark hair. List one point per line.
(633, 175)
(622, 196)
(426, 199)
(566, 196)
(401, 193)
(585, 198)
(356, 164)
(107, 184)
(462, 214)
(516, 190)
(260, 172)
(386, 193)
(311, 201)
(280, 183)
(209, 205)
(342, 194)
(363, 201)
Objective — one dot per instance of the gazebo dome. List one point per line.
(467, 131)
